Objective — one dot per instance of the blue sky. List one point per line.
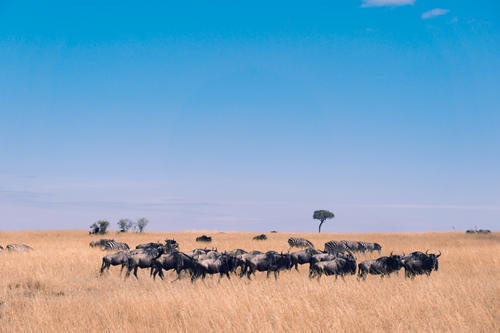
(247, 117)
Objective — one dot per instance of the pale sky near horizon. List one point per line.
(248, 117)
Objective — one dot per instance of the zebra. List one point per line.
(112, 245)
(18, 247)
(334, 246)
(299, 242)
(371, 247)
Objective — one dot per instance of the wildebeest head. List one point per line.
(395, 261)
(434, 259)
(377, 247)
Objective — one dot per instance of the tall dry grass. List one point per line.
(57, 288)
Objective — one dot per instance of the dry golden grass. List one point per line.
(57, 288)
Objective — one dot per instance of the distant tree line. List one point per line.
(124, 225)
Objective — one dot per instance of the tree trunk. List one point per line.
(320, 224)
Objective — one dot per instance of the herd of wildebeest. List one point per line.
(337, 259)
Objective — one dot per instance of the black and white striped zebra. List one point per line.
(334, 246)
(112, 245)
(18, 247)
(371, 247)
(299, 242)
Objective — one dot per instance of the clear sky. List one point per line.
(249, 116)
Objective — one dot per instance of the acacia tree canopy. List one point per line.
(322, 215)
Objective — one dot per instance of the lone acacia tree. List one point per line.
(322, 215)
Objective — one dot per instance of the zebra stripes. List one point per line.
(112, 245)
(351, 246)
(299, 242)
(334, 246)
(18, 248)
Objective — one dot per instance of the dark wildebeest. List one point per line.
(149, 245)
(143, 258)
(270, 261)
(115, 259)
(260, 237)
(470, 231)
(171, 244)
(338, 266)
(382, 266)
(223, 265)
(18, 248)
(204, 238)
(484, 231)
(1, 248)
(177, 261)
(274, 231)
(303, 257)
(418, 263)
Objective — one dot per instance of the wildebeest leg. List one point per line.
(276, 274)
(135, 272)
(268, 272)
(103, 266)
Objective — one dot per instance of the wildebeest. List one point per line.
(177, 261)
(1, 248)
(260, 237)
(274, 231)
(223, 265)
(338, 266)
(381, 266)
(418, 263)
(303, 256)
(204, 238)
(18, 248)
(171, 244)
(142, 258)
(470, 231)
(484, 231)
(270, 261)
(299, 242)
(115, 259)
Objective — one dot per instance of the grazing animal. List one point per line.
(204, 238)
(112, 245)
(1, 248)
(274, 231)
(354, 246)
(334, 246)
(171, 244)
(115, 259)
(303, 256)
(260, 237)
(142, 258)
(100, 243)
(299, 242)
(382, 266)
(484, 231)
(177, 261)
(18, 248)
(270, 261)
(223, 265)
(371, 247)
(418, 263)
(470, 231)
(338, 266)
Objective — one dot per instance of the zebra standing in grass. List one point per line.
(334, 246)
(18, 248)
(112, 245)
(371, 247)
(299, 242)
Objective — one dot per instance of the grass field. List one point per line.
(57, 288)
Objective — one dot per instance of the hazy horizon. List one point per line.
(248, 118)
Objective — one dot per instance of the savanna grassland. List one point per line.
(57, 288)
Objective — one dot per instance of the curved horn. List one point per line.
(390, 255)
(427, 251)
(439, 254)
